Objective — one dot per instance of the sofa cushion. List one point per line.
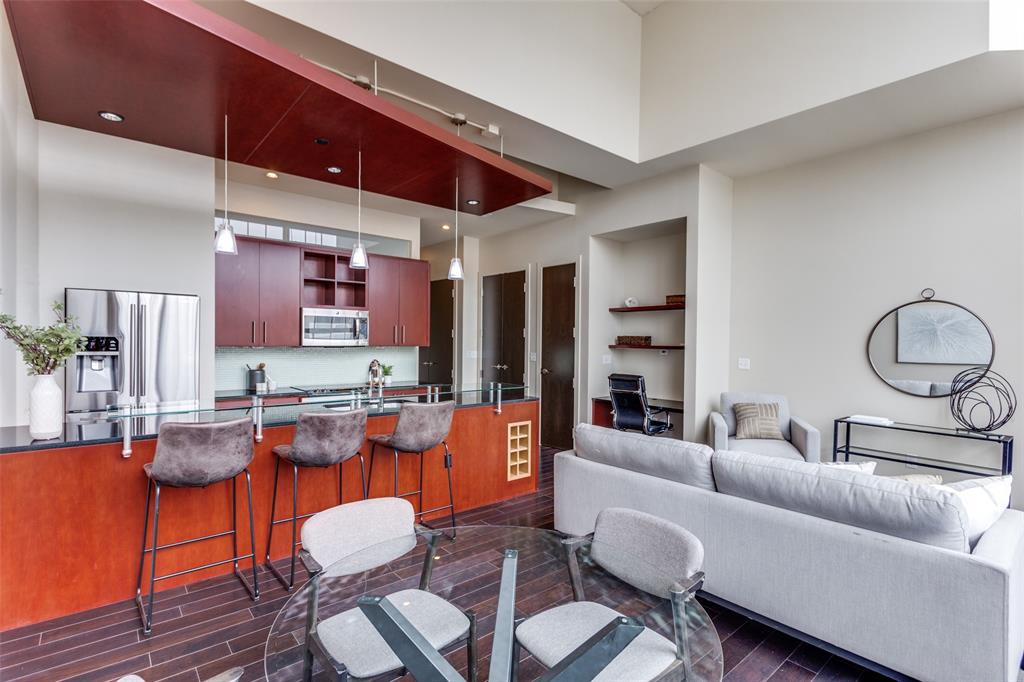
(863, 467)
(767, 447)
(985, 500)
(926, 514)
(668, 458)
(757, 420)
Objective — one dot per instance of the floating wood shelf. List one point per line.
(351, 281)
(318, 279)
(651, 347)
(648, 308)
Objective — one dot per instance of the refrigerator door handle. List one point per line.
(141, 352)
(132, 348)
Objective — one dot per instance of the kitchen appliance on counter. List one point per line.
(141, 351)
(335, 327)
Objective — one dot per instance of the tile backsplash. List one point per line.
(312, 366)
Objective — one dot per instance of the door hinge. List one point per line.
(524, 332)
(574, 332)
(524, 287)
(453, 333)
(573, 282)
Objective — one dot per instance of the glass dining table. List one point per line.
(354, 620)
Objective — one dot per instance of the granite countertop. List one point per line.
(82, 430)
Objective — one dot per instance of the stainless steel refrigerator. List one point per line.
(142, 351)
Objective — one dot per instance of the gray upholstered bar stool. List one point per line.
(196, 456)
(421, 427)
(322, 439)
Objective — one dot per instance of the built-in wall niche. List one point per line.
(646, 263)
(328, 281)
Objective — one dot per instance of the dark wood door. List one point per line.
(280, 295)
(513, 327)
(414, 303)
(557, 355)
(490, 348)
(382, 294)
(504, 322)
(436, 359)
(238, 295)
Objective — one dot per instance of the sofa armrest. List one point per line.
(1002, 547)
(718, 432)
(806, 439)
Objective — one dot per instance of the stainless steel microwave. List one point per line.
(335, 327)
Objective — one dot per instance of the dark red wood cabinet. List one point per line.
(258, 294)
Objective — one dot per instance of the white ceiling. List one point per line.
(981, 85)
(642, 7)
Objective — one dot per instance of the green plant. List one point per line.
(44, 349)
(386, 370)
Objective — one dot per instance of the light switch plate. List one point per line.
(606, 359)
(744, 363)
(533, 357)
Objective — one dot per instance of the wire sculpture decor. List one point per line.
(981, 400)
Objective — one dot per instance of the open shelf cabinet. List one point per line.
(520, 437)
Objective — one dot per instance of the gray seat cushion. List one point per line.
(769, 447)
(925, 514)
(668, 458)
(554, 634)
(386, 523)
(352, 640)
(325, 438)
(196, 455)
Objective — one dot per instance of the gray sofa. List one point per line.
(802, 441)
(899, 584)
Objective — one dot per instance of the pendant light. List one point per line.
(224, 240)
(358, 259)
(455, 271)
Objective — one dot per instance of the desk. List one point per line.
(601, 409)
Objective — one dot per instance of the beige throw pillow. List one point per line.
(757, 420)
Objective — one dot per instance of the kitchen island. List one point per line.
(71, 508)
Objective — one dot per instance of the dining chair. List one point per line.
(372, 533)
(651, 554)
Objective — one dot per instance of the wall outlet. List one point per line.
(533, 357)
(471, 355)
(606, 359)
(744, 363)
(663, 352)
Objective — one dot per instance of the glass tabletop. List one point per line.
(468, 572)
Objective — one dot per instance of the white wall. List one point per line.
(715, 68)
(572, 66)
(822, 249)
(118, 214)
(18, 224)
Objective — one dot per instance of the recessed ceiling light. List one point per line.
(446, 227)
(272, 175)
(473, 202)
(111, 116)
(333, 169)
(321, 140)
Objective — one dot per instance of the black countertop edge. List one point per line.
(15, 439)
(290, 391)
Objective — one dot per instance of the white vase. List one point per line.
(387, 379)
(46, 409)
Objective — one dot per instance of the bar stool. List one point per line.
(322, 439)
(196, 456)
(420, 427)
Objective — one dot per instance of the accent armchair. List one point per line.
(801, 440)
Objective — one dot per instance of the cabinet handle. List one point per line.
(264, 332)
(253, 333)
(394, 334)
(403, 333)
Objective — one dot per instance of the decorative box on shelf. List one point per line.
(632, 340)
(675, 299)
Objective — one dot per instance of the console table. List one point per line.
(845, 448)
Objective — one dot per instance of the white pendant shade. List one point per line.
(455, 269)
(358, 260)
(224, 241)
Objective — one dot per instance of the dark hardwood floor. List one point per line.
(208, 627)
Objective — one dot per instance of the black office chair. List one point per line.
(630, 410)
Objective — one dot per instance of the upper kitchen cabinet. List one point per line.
(398, 294)
(258, 295)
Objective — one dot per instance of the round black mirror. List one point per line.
(919, 347)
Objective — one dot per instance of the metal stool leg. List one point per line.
(252, 538)
(145, 533)
(451, 491)
(341, 487)
(395, 450)
(369, 476)
(295, 521)
(147, 621)
(273, 510)
(362, 475)
(420, 508)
